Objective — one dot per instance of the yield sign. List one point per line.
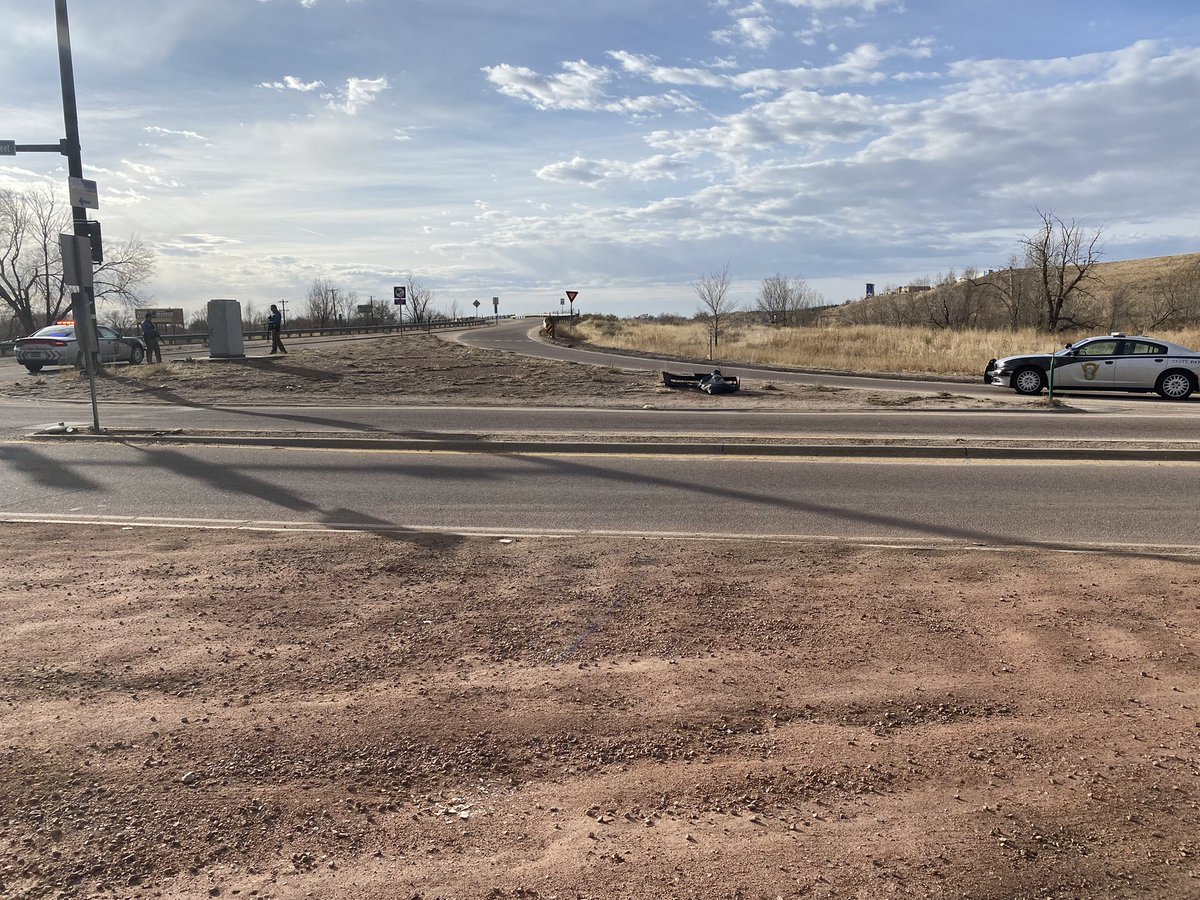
(571, 295)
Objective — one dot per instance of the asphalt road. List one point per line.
(994, 504)
(1103, 422)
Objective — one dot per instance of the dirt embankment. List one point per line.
(195, 713)
(421, 369)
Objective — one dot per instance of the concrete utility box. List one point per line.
(225, 330)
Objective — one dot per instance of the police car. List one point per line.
(1113, 362)
(56, 345)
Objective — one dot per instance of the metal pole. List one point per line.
(83, 301)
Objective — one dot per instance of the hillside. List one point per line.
(1134, 295)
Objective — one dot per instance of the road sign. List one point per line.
(162, 315)
(365, 307)
(8, 148)
(476, 304)
(83, 193)
(399, 295)
(495, 304)
(571, 295)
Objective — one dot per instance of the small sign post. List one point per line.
(571, 295)
(496, 307)
(399, 295)
(476, 305)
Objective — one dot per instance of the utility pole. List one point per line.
(283, 311)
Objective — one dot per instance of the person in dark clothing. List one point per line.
(150, 339)
(274, 323)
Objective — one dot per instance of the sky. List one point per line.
(618, 148)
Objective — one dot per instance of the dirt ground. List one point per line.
(420, 369)
(192, 713)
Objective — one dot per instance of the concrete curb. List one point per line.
(847, 451)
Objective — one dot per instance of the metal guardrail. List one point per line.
(7, 348)
(285, 333)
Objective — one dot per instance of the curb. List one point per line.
(851, 451)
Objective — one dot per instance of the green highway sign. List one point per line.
(8, 148)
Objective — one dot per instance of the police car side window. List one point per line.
(1098, 348)
(1141, 348)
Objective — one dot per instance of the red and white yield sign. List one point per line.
(571, 295)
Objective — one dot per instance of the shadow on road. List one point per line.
(574, 469)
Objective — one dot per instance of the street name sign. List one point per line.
(8, 148)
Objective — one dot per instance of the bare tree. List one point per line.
(420, 301)
(31, 282)
(955, 302)
(715, 305)
(784, 299)
(1174, 299)
(321, 303)
(31, 279)
(1061, 255)
(1012, 287)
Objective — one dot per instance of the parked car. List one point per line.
(1113, 362)
(56, 345)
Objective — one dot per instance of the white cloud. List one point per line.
(292, 83)
(356, 95)
(190, 135)
(579, 86)
(594, 172)
(748, 31)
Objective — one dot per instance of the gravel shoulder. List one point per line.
(191, 713)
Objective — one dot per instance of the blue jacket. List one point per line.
(149, 329)
(274, 320)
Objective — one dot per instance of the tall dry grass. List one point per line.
(854, 348)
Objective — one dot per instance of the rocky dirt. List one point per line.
(419, 369)
(192, 713)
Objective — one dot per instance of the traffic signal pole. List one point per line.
(83, 301)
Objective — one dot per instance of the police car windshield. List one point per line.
(58, 331)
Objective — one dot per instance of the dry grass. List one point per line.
(857, 348)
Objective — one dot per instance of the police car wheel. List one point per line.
(1175, 385)
(1028, 381)
(136, 355)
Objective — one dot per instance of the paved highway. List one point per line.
(994, 504)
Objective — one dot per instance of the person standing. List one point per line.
(150, 339)
(274, 323)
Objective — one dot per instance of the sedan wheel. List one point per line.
(1175, 385)
(1028, 381)
(136, 355)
